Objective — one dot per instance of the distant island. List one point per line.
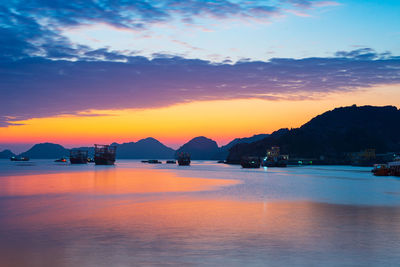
(329, 138)
(200, 148)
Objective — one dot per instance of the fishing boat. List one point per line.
(380, 170)
(77, 156)
(250, 162)
(274, 158)
(19, 159)
(389, 169)
(104, 154)
(394, 168)
(61, 160)
(184, 159)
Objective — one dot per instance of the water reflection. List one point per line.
(106, 181)
(104, 232)
(132, 216)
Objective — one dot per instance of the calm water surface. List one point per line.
(55, 214)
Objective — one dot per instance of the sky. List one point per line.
(84, 72)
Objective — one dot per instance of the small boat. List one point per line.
(274, 158)
(77, 156)
(19, 159)
(61, 160)
(90, 160)
(170, 162)
(380, 170)
(250, 162)
(154, 161)
(394, 168)
(389, 169)
(104, 154)
(184, 159)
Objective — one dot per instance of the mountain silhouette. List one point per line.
(46, 151)
(6, 154)
(148, 148)
(332, 134)
(224, 150)
(200, 148)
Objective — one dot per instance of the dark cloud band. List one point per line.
(39, 87)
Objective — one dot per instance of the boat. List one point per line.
(90, 160)
(274, 158)
(394, 168)
(19, 159)
(104, 154)
(250, 162)
(61, 160)
(77, 156)
(380, 170)
(184, 159)
(154, 161)
(389, 169)
(170, 162)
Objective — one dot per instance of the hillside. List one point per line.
(6, 154)
(148, 148)
(333, 133)
(46, 151)
(224, 150)
(200, 148)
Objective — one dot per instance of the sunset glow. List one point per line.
(175, 125)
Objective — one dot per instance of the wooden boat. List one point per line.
(274, 158)
(394, 168)
(389, 169)
(104, 154)
(61, 160)
(380, 170)
(19, 159)
(184, 159)
(77, 156)
(250, 162)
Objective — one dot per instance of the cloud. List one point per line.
(39, 87)
(136, 14)
(35, 27)
(43, 74)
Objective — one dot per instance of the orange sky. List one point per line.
(175, 125)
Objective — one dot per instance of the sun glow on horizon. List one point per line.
(221, 120)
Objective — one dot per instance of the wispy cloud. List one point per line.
(35, 27)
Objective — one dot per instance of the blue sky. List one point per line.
(318, 30)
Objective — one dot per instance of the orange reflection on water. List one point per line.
(195, 222)
(82, 230)
(107, 181)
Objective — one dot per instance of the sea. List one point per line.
(205, 214)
